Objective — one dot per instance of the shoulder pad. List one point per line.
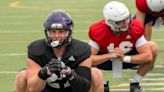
(98, 30)
(37, 47)
(80, 48)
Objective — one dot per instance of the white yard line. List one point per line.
(155, 74)
(33, 31)
(126, 90)
(25, 32)
(153, 79)
(159, 66)
(13, 54)
(8, 72)
(123, 85)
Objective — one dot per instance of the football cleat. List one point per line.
(134, 87)
(106, 86)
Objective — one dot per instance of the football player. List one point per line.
(117, 36)
(59, 63)
(151, 13)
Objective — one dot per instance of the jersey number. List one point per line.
(125, 46)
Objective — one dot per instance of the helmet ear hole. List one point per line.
(58, 19)
(113, 12)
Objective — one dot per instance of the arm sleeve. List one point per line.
(81, 80)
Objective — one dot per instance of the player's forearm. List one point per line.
(35, 84)
(148, 31)
(141, 58)
(98, 59)
(140, 16)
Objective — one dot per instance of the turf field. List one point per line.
(21, 22)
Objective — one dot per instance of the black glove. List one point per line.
(54, 66)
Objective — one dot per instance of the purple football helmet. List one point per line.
(58, 19)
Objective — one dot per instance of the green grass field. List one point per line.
(22, 22)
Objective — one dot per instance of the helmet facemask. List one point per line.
(115, 25)
(58, 42)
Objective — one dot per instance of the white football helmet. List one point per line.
(155, 5)
(115, 11)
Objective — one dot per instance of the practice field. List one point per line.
(21, 22)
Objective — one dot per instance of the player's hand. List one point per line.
(54, 66)
(119, 53)
(113, 55)
(66, 71)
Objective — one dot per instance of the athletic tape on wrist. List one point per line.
(127, 59)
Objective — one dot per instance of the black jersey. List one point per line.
(74, 54)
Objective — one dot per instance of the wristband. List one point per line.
(43, 73)
(127, 59)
